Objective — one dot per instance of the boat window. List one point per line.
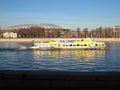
(82, 40)
(96, 44)
(48, 45)
(33, 44)
(85, 44)
(52, 45)
(66, 45)
(102, 44)
(78, 45)
(74, 45)
(81, 45)
(45, 45)
(70, 41)
(70, 45)
(36, 45)
(41, 45)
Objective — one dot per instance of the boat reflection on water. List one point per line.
(79, 55)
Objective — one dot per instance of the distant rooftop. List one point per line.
(37, 25)
(116, 27)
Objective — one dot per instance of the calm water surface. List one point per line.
(16, 56)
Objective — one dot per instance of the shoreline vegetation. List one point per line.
(47, 39)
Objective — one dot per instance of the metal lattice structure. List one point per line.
(46, 26)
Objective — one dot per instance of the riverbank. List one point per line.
(46, 39)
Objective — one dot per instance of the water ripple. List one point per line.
(13, 56)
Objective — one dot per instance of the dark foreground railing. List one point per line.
(42, 80)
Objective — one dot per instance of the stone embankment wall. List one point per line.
(46, 39)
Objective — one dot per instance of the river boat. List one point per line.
(85, 43)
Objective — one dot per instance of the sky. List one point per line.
(70, 14)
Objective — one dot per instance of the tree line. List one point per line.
(100, 32)
(37, 32)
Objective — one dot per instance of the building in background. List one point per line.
(9, 35)
(38, 30)
(55, 31)
(116, 31)
(45, 26)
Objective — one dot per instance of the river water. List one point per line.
(17, 56)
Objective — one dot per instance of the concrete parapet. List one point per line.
(14, 80)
